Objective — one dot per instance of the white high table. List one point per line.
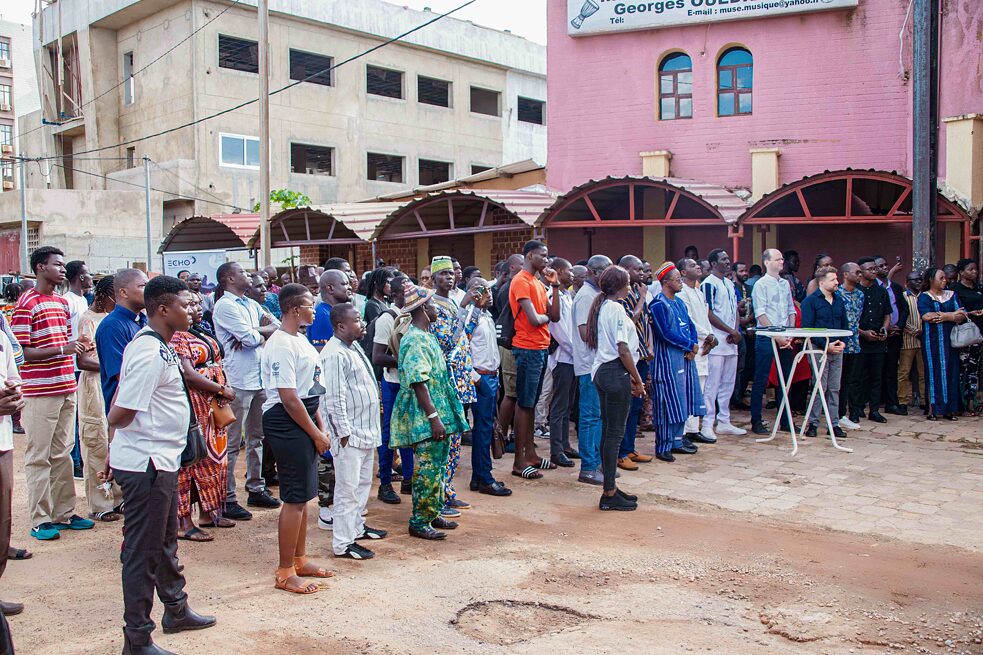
(808, 349)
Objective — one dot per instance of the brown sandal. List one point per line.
(307, 569)
(282, 582)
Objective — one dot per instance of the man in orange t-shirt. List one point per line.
(530, 345)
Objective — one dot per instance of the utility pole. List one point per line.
(146, 184)
(264, 131)
(25, 265)
(925, 132)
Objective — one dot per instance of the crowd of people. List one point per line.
(320, 378)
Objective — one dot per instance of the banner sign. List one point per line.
(203, 262)
(600, 16)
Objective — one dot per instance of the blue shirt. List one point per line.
(817, 312)
(236, 321)
(319, 332)
(113, 334)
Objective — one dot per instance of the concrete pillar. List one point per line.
(654, 244)
(964, 158)
(422, 254)
(765, 176)
(483, 253)
(656, 163)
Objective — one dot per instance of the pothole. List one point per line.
(507, 622)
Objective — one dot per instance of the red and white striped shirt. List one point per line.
(41, 321)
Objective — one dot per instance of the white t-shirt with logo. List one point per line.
(289, 361)
(721, 298)
(614, 326)
(150, 383)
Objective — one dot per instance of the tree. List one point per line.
(287, 199)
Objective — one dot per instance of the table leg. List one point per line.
(785, 404)
(818, 389)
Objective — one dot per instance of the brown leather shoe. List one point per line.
(626, 464)
(639, 459)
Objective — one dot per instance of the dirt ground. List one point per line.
(541, 571)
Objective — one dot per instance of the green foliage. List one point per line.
(287, 199)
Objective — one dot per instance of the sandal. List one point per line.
(220, 522)
(529, 473)
(307, 569)
(108, 517)
(196, 534)
(19, 553)
(283, 582)
(546, 465)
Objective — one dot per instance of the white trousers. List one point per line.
(719, 387)
(353, 481)
(693, 422)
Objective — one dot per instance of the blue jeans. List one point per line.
(77, 448)
(484, 424)
(589, 425)
(763, 358)
(634, 413)
(530, 367)
(389, 391)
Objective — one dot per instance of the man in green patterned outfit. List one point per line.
(426, 410)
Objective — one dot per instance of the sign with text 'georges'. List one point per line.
(599, 16)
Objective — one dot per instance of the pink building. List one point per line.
(719, 115)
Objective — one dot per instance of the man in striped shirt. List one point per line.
(41, 324)
(351, 415)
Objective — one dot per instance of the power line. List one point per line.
(181, 180)
(280, 90)
(135, 73)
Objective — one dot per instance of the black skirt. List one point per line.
(295, 454)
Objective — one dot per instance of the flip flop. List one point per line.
(223, 523)
(529, 473)
(19, 553)
(546, 465)
(106, 517)
(193, 535)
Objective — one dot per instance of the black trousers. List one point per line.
(563, 386)
(889, 377)
(866, 378)
(846, 385)
(614, 391)
(150, 561)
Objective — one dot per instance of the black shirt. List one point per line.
(877, 305)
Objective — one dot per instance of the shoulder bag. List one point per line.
(965, 335)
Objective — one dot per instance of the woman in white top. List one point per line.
(293, 428)
(612, 336)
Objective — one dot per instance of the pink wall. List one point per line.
(828, 91)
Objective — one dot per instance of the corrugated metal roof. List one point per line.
(229, 231)
(506, 170)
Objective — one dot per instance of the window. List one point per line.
(478, 168)
(531, 111)
(676, 87)
(239, 151)
(131, 156)
(5, 50)
(7, 170)
(5, 96)
(306, 64)
(484, 101)
(311, 160)
(434, 172)
(238, 54)
(6, 135)
(383, 82)
(734, 81)
(385, 168)
(129, 84)
(431, 91)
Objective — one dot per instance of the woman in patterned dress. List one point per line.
(201, 360)
(940, 311)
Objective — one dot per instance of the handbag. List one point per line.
(194, 447)
(966, 334)
(222, 415)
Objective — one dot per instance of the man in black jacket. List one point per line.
(895, 336)
(868, 369)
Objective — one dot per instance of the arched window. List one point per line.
(676, 87)
(734, 81)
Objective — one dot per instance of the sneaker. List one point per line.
(450, 513)
(325, 521)
(357, 551)
(262, 499)
(236, 512)
(848, 424)
(45, 532)
(388, 495)
(75, 522)
(838, 432)
(78, 473)
(541, 432)
(760, 428)
(616, 503)
(457, 503)
(593, 476)
(727, 428)
(371, 533)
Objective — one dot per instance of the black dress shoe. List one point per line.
(684, 449)
(188, 620)
(388, 495)
(406, 487)
(441, 523)
(428, 533)
(896, 410)
(876, 417)
(902, 410)
(811, 431)
(856, 417)
(699, 438)
(562, 460)
(11, 609)
(572, 454)
(629, 497)
(149, 649)
(759, 428)
(665, 457)
(262, 499)
(838, 432)
(473, 486)
(237, 512)
(494, 489)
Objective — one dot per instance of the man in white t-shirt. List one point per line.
(149, 426)
(79, 283)
(561, 371)
(721, 297)
(696, 305)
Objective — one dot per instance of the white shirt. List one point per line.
(350, 406)
(383, 330)
(236, 323)
(484, 344)
(696, 305)
(457, 295)
(654, 289)
(76, 307)
(150, 383)
(583, 357)
(772, 298)
(614, 326)
(721, 298)
(289, 361)
(8, 371)
(563, 330)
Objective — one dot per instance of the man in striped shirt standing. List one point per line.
(351, 415)
(42, 326)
